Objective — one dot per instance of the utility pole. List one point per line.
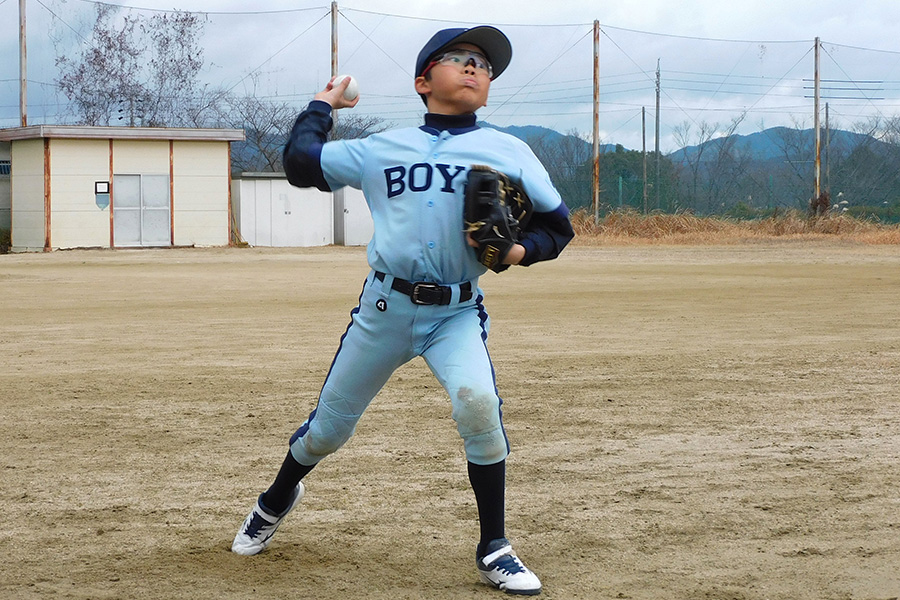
(644, 151)
(334, 44)
(338, 206)
(595, 184)
(656, 179)
(23, 66)
(816, 125)
(827, 152)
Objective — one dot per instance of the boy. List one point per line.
(421, 297)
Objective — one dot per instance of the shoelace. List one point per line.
(508, 564)
(257, 525)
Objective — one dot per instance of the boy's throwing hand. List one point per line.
(334, 94)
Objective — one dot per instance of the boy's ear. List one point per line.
(423, 86)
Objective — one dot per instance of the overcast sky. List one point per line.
(719, 59)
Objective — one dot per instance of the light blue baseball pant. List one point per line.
(386, 331)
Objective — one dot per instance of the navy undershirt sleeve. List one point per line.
(303, 151)
(546, 235)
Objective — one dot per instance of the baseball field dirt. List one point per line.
(717, 422)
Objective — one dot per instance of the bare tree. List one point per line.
(868, 175)
(105, 77)
(693, 160)
(174, 67)
(352, 125)
(138, 71)
(713, 161)
(795, 174)
(727, 167)
(563, 157)
(266, 126)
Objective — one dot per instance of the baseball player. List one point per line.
(421, 297)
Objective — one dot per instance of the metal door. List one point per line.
(141, 210)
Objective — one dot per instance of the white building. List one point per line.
(82, 187)
(269, 211)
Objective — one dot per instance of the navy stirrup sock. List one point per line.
(279, 495)
(489, 485)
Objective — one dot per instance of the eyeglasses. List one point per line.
(461, 59)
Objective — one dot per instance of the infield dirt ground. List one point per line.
(686, 422)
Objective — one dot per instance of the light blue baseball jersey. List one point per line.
(413, 181)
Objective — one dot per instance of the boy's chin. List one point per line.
(455, 108)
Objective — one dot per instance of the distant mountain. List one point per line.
(772, 144)
(528, 133)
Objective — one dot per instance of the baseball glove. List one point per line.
(495, 212)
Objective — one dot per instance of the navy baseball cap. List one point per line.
(490, 39)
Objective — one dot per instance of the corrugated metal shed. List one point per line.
(269, 211)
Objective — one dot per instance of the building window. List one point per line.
(5, 167)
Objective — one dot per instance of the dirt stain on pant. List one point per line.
(476, 413)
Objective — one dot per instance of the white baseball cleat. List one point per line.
(501, 568)
(257, 530)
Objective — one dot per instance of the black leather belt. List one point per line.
(425, 292)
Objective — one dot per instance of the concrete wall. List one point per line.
(28, 195)
(140, 157)
(76, 221)
(201, 193)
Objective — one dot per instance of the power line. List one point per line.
(282, 49)
(61, 20)
(374, 43)
(542, 71)
(728, 88)
(434, 20)
(205, 12)
(859, 48)
(457, 21)
(634, 62)
(860, 90)
(705, 39)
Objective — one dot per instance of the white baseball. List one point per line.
(352, 90)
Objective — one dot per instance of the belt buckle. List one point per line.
(423, 286)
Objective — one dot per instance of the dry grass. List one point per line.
(633, 228)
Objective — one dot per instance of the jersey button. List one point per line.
(431, 245)
(431, 203)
